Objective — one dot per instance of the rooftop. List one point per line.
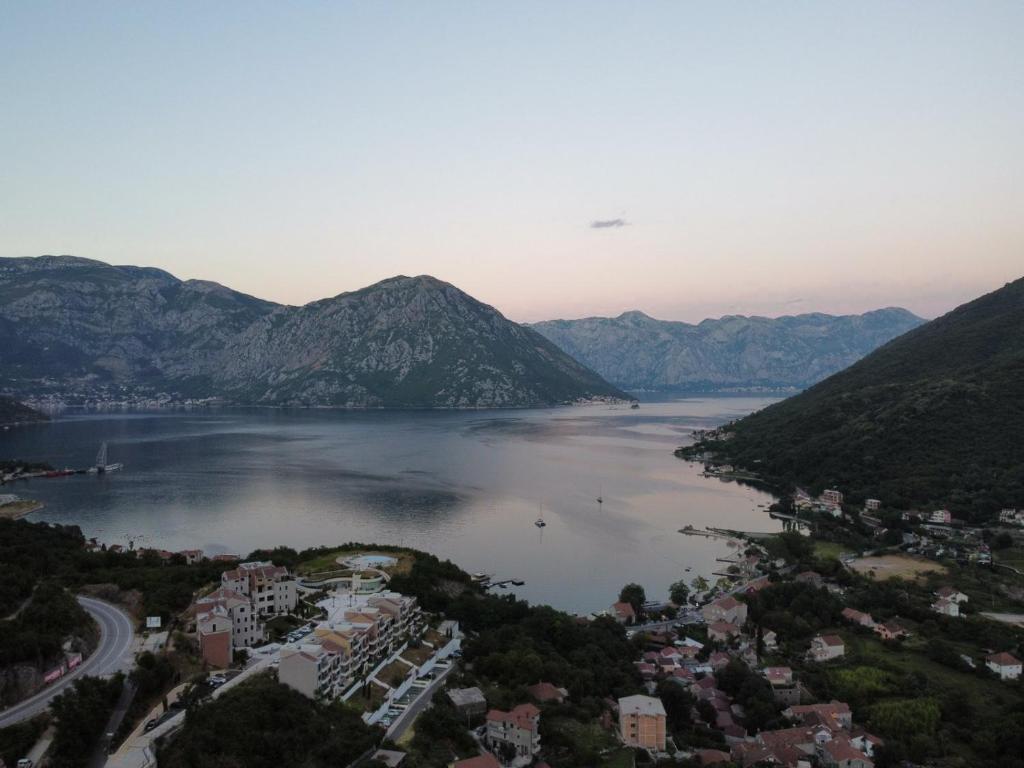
(641, 705)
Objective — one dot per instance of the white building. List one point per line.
(826, 648)
(1006, 665)
(270, 587)
(360, 631)
(225, 621)
(946, 607)
(519, 729)
(727, 609)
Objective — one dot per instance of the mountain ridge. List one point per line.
(638, 352)
(931, 419)
(401, 342)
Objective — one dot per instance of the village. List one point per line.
(800, 654)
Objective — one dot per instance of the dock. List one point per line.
(504, 583)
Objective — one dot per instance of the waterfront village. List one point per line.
(865, 638)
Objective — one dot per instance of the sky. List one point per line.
(553, 159)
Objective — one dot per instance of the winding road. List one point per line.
(116, 637)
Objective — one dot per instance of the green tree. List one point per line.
(678, 592)
(634, 595)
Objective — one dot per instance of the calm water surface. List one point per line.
(463, 485)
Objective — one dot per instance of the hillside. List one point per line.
(82, 329)
(13, 412)
(637, 352)
(934, 418)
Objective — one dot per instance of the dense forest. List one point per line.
(263, 724)
(932, 419)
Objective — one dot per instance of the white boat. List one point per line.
(102, 467)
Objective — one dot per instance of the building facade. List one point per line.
(642, 722)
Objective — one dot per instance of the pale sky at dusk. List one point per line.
(754, 158)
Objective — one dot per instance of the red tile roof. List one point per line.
(1003, 659)
(486, 760)
(523, 716)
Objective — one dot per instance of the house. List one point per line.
(872, 505)
(891, 630)
(486, 760)
(939, 516)
(722, 631)
(946, 607)
(770, 639)
(545, 692)
(826, 648)
(837, 712)
(642, 722)
(785, 689)
(468, 702)
(832, 496)
(854, 616)
(623, 613)
(1007, 666)
(192, 556)
(718, 659)
(727, 609)
(841, 753)
(950, 593)
(1012, 516)
(778, 675)
(518, 729)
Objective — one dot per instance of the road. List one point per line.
(117, 634)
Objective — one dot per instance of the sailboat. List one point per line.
(101, 465)
(539, 522)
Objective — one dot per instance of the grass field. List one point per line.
(828, 550)
(417, 655)
(394, 674)
(897, 567)
(328, 561)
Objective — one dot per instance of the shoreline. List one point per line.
(19, 509)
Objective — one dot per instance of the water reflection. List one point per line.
(464, 485)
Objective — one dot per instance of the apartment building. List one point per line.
(270, 587)
(318, 668)
(642, 722)
(360, 631)
(225, 620)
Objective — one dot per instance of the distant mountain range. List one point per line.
(81, 328)
(933, 419)
(637, 352)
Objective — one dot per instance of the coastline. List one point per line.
(19, 509)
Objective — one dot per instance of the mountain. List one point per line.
(82, 328)
(932, 419)
(637, 352)
(13, 412)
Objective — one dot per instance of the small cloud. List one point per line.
(608, 223)
(794, 301)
